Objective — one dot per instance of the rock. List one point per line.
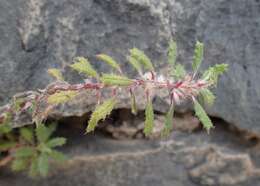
(182, 159)
(50, 34)
(41, 34)
(222, 169)
(230, 32)
(131, 127)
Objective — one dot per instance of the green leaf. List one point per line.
(198, 56)
(6, 119)
(51, 128)
(142, 58)
(58, 141)
(24, 152)
(5, 128)
(100, 113)
(111, 79)
(42, 133)
(202, 115)
(43, 148)
(133, 105)
(82, 65)
(214, 72)
(61, 97)
(178, 72)
(168, 124)
(27, 134)
(16, 104)
(19, 164)
(58, 156)
(56, 73)
(110, 61)
(172, 53)
(149, 119)
(136, 65)
(207, 96)
(43, 164)
(6, 145)
(33, 170)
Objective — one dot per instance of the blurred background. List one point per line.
(36, 35)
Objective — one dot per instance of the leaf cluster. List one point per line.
(38, 150)
(210, 76)
(34, 149)
(141, 62)
(137, 58)
(7, 139)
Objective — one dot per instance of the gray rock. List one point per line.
(230, 32)
(44, 34)
(182, 160)
(40, 34)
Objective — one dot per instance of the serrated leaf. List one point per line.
(142, 58)
(202, 116)
(111, 79)
(214, 72)
(27, 134)
(100, 113)
(172, 53)
(43, 164)
(42, 133)
(198, 56)
(19, 164)
(58, 156)
(110, 61)
(168, 124)
(82, 65)
(56, 73)
(133, 105)
(136, 65)
(58, 141)
(149, 119)
(24, 152)
(207, 96)
(178, 72)
(61, 97)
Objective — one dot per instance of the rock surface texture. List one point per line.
(41, 34)
(184, 159)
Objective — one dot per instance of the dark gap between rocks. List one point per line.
(224, 136)
(121, 125)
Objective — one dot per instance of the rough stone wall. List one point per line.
(230, 31)
(40, 34)
(196, 159)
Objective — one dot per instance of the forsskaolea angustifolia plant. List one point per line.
(180, 85)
